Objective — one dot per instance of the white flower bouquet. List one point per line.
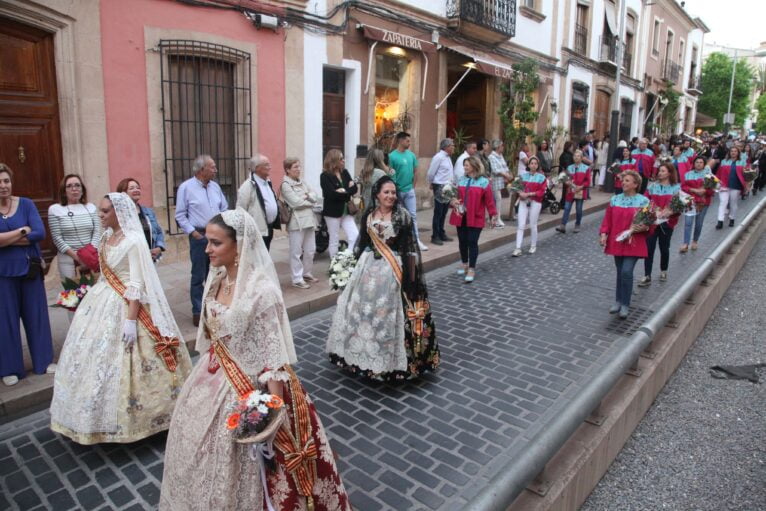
(341, 268)
(449, 192)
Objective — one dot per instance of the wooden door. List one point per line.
(334, 112)
(471, 104)
(601, 115)
(30, 138)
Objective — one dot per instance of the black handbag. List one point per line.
(36, 268)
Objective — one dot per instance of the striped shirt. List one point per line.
(74, 226)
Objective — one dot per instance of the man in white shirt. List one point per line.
(257, 197)
(470, 150)
(523, 159)
(439, 174)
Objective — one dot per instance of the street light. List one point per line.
(727, 119)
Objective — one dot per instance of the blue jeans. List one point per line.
(625, 265)
(410, 203)
(690, 221)
(568, 209)
(200, 266)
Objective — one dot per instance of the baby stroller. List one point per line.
(550, 201)
(321, 235)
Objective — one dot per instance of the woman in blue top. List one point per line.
(155, 238)
(733, 185)
(22, 292)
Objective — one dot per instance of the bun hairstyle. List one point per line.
(218, 221)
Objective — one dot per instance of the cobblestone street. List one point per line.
(515, 345)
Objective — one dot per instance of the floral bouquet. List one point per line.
(341, 267)
(645, 216)
(711, 182)
(449, 192)
(562, 179)
(74, 291)
(749, 174)
(681, 203)
(255, 417)
(516, 186)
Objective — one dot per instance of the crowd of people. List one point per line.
(125, 373)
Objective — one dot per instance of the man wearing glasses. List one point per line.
(256, 196)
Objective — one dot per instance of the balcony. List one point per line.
(493, 21)
(627, 61)
(581, 40)
(694, 84)
(671, 71)
(608, 53)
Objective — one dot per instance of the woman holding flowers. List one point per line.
(245, 343)
(680, 161)
(693, 183)
(475, 199)
(660, 193)
(530, 204)
(618, 219)
(733, 185)
(577, 192)
(626, 162)
(382, 327)
(123, 361)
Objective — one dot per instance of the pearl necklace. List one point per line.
(227, 286)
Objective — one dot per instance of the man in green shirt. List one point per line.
(404, 163)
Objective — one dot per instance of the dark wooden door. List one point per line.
(470, 104)
(334, 111)
(30, 138)
(601, 115)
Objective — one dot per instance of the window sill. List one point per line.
(531, 14)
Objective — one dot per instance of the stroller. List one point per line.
(321, 235)
(550, 201)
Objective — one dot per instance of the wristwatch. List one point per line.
(23, 231)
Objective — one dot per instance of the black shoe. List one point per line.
(195, 319)
(446, 238)
(719, 225)
(731, 222)
(437, 241)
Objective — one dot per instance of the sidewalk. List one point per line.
(37, 390)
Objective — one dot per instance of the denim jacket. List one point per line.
(158, 236)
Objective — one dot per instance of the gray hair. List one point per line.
(496, 143)
(257, 160)
(199, 162)
(445, 143)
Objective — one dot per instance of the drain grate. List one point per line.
(637, 317)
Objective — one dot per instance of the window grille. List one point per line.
(206, 109)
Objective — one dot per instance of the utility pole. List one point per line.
(614, 125)
(727, 119)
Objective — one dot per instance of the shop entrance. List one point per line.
(467, 105)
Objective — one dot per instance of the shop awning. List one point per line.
(481, 63)
(704, 121)
(611, 17)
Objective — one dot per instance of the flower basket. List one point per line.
(256, 417)
(268, 432)
(74, 291)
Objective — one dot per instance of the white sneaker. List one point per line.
(51, 369)
(532, 249)
(301, 284)
(516, 253)
(423, 246)
(11, 380)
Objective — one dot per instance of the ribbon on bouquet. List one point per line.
(165, 347)
(258, 453)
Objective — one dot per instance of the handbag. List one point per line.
(88, 255)
(285, 212)
(354, 205)
(36, 268)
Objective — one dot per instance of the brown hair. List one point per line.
(671, 170)
(6, 169)
(122, 186)
(332, 161)
(375, 159)
(475, 164)
(289, 162)
(635, 175)
(62, 189)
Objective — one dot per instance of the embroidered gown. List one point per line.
(205, 468)
(371, 334)
(102, 391)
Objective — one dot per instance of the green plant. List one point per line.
(669, 114)
(517, 107)
(460, 138)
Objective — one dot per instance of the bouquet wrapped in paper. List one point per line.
(681, 203)
(562, 179)
(74, 291)
(711, 182)
(256, 417)
(341, 268)
(646, 216)
(516, 186)
(750, 174)
(449, 192)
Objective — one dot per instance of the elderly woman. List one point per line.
(300, 229)
(75, 227)
(155, 238)
(22, 292)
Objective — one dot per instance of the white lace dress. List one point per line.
(367, 330)
(102, 391)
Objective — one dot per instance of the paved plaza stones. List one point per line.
(515, 345)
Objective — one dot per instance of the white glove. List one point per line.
(129, 333)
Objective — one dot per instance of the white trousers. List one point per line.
(499, 205)
(730, 199)
(602, 175)
(333, 229)
(531, 213)
(302, 249)
(66, 266)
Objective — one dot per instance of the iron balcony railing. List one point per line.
(581, 39)
(627, 60)
(608, 49)
(671, 71)
(694, 81)
(496, 15)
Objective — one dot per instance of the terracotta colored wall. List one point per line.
(124, 68)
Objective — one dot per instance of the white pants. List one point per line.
(499, 205)
(601, 175)
(333, 229)
(532, 213)
(728, 198)
(66, 266)
(302, 243)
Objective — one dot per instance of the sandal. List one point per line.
(469, 275)
(684, 249)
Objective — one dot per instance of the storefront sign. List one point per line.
(397, 39)
(502, 72)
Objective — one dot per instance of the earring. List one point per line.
(236, 261)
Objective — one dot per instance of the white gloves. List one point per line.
(129, 333)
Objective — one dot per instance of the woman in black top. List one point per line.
(337, 189)
(565, 160)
